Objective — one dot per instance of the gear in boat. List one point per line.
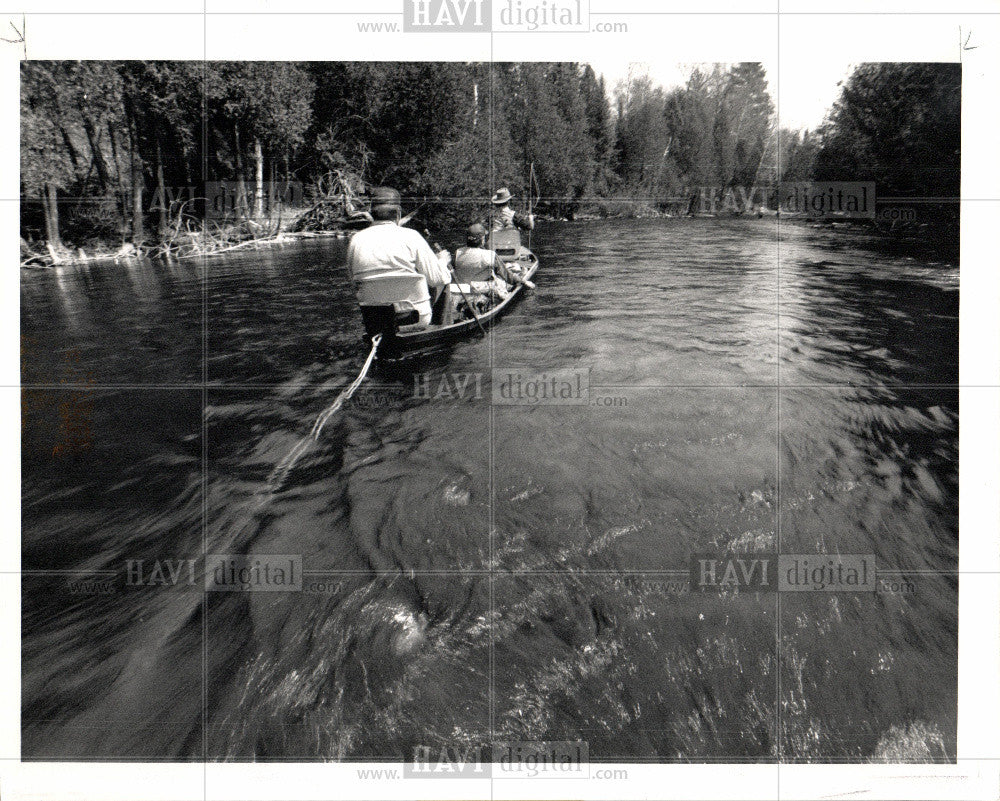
(398, 304)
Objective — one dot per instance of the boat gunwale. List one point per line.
(431, 334)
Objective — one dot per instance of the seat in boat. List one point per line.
(406, 292)
(506, 242)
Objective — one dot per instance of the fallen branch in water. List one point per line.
(337, 204)
(185, 238)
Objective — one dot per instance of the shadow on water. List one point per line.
(441, 535)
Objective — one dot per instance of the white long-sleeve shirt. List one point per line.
(387, 247)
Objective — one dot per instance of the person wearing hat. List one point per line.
(501, 215)
(386, 246)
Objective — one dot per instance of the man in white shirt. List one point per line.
(385, 246)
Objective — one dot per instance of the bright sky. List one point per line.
(807, 92)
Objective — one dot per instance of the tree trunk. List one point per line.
(258, 155)
(74, 157)
(103, 173)
(241, 186)
(276, 195)
(273, 195)
(138, 228)
(135, 167)
(51, 204)
(114, 153)
(118, 177)
(162, 190)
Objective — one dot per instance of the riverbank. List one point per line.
(334, 211)
(939, 234)
(189, 244)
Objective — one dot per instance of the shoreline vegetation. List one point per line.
(197, 245)
(331, 214)
(256, 236)
(253, 235)
(176, 160)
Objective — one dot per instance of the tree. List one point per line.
(46, 165)
(280, 115)
(548, 126)
(478, 156)
(743, 125)
(453, 130)
(898, 125)
(578, 145)
(93, 90)
(161, 102)
(643, 137)
(264, 104)
(691, 123)
(600, 128)
(798, 155)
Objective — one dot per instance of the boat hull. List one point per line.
(397, 345)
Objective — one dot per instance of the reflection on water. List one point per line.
(506, 573)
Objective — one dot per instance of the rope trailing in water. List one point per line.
(285, 465)
(347, 393)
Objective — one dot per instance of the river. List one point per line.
(478, 572)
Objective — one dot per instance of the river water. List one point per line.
(478, 572)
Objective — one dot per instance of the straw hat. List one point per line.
(501, 196)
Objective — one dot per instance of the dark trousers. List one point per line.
(437, 307)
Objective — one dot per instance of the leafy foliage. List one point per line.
(898, 125)
(450, 133)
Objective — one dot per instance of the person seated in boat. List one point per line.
(475, 263)
(386, 247)
(500, 215)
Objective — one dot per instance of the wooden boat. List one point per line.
(403, 340)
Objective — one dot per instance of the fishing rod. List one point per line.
(531, 175)
(461, 291)
(411, 215)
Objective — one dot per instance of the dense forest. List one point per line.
(119, 154)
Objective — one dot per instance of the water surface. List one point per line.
(478, 573)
